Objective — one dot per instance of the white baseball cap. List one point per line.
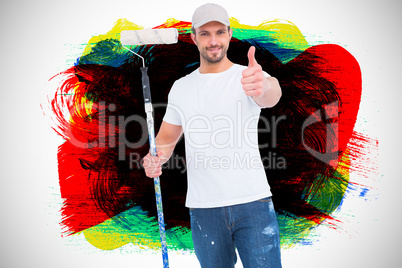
(210, 12)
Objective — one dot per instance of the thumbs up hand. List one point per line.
(254, 82)
(266, 91)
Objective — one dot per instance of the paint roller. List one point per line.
(148, 37)
(151, 37)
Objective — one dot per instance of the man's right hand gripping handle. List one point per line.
(153, 165)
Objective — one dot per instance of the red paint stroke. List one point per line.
(96, 185)
(339, 67)
(364, 155)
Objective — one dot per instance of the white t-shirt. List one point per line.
(219, 122)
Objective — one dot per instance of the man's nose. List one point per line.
(213, 41)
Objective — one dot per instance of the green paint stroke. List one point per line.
(136, 227)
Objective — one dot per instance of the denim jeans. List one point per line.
(252, 228)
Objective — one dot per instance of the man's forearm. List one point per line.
(167, 138)
(165, 147)
(271, 95)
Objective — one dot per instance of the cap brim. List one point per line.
(201, 23)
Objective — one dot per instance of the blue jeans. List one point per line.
(252, 228)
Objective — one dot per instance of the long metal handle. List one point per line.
(152, 144)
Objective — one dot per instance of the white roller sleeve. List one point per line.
(149, 37)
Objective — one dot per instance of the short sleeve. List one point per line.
(172, 115)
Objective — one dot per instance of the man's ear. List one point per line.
(193, 38)
(230, 33)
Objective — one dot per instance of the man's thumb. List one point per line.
(251, 56)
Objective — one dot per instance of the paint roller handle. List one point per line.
(146, 89)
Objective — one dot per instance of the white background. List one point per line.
(37, 39)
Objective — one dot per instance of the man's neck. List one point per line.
(223, 65)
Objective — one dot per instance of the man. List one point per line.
(217, 107)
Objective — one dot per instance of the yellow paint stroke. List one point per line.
(284, 32)
(114, 33)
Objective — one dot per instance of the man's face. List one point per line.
(212, 40)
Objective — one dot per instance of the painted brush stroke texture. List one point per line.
(97, 108)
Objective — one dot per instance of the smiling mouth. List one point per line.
(214, 49)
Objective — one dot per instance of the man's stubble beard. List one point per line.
(216, 59)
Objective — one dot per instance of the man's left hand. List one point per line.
(254, 82)
(265, 91)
